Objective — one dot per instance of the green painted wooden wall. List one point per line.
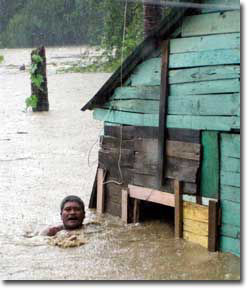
(210, 171)
(204, 87)
(204, 81)
(230, 193)
(215, 5)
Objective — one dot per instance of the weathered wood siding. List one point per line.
(213, 23)
(220, 5)
(204, 79)
(129, 154)
(230, 193)
(204, 95)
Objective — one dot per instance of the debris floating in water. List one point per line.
(22, 67)
(64, 239)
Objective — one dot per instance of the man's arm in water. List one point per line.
(51, 231)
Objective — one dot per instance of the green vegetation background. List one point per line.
(31, 23)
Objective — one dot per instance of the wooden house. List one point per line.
(171, 117)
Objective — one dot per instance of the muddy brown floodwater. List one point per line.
(45, 156)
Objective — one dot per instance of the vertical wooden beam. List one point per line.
(124, 206)
(178, 209)
(213, 226)
(163, 109)
(93, 196)
(136, 211)
(100, 191)
(210, 167)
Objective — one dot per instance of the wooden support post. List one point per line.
(124, 206)
(198, 198)
(100, 191)
(213, 226)
(178, 209)
(136, 211)
(163, 109)
(93, 197)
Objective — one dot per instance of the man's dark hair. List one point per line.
(75, 199)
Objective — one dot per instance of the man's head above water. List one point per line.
(72, 212)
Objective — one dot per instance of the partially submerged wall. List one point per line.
(129, 154)
(204, 95)
(230, 193)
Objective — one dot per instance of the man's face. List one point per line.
(72, 215)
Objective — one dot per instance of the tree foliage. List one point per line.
(31, 23)
(115, 20)
(27, 23)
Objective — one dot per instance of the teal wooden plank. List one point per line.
(204, 43)
(205, 105)
(189, 122)
(230, 245)
(230, 145)
(210, 164)
(203, 122)
(207, 73)
(220, 5)
(213, 23)
(192, 198)
(230, 212)
(230, 178)
(196, 105)
(139, 92)
(236, 123)
(127, 118)
(230, 164)
(230, 193)
(147, 73)
(208, 87)
(204, 58)
(229, 230)
(139, 106)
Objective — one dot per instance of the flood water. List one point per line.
(46, 156)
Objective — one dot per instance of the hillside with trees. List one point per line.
(30, 23)
(117, 26)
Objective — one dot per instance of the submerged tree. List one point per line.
(39, 91)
